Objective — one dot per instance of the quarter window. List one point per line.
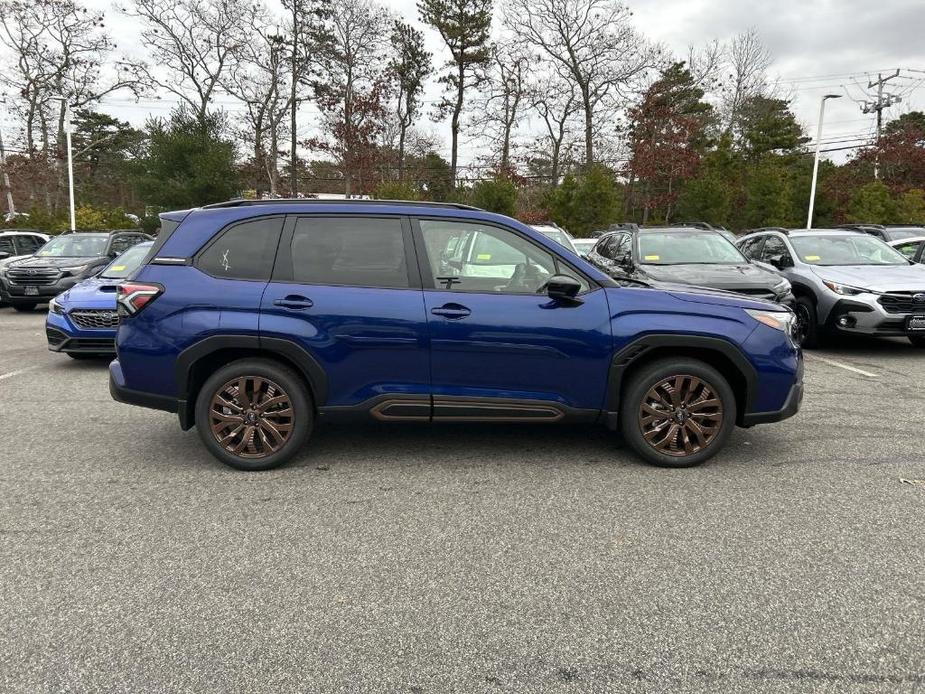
(244, 251)
(464, 256)
(774, 248)
(751, 248)
(356, 251)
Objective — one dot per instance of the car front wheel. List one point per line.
(24, 308)
(917, 340)
(254, 414)
(677, 412)
(806, 327)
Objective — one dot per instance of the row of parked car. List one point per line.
(856, 279)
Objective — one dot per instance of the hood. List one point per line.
(878, 278)
(729, 277)
(58, 262)
(7, 261)
(716, 297)
(90, 293)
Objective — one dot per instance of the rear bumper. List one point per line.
(120, 393)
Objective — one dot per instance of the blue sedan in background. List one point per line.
(82, 321)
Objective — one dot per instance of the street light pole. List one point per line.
(68, 128)
(812, 191)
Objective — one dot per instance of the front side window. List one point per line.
(908, 249)
(353, 251)
(774, 249)
(687, 248)
(243, 251)
(466, 256)
(26, 245)
(853, 249)
(122, 243)
(751, 248)
(6, 246)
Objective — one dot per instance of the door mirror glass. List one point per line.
(562, 287)
(4, 255)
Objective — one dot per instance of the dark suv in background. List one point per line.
(253, 319)
(693, 256)
(61, 263)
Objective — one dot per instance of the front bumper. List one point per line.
(64, 336)
(866, 316)
(16, 293)
(791, 407)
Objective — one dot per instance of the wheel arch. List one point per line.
(717, 352)
(199, 361)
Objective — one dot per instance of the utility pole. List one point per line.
(883, 101)
(6, 179)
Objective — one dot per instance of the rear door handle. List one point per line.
(294, 302)
(451, 311)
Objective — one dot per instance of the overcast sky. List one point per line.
(818, 46)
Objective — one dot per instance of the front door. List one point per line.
(500, 347)
(347, 291)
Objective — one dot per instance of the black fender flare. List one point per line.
(288, 349)
(639, 347)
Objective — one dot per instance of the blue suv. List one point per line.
(253, 320)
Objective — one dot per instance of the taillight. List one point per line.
(134, 296)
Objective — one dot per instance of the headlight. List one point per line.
(55, 307)
(779, 320)
(844, 289)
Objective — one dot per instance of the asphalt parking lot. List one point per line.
(461, 558)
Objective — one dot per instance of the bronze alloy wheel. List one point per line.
(251, 417)
(680, 415)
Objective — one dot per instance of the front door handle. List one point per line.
(451, 311)
(294, 302)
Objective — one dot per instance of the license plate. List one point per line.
(32, 291)
(915, 324)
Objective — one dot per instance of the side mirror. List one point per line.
(780, 261)
(562, 288)
(627, 263)
(4, 255)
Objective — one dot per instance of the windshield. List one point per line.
(126, 263)
(74, 246)
(558, 236)
(684, 248)
(845, 250)
(899, 234)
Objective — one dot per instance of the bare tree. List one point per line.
(61, 55)
(352, 94)
(747, 61)
(500, 108)
(192, 44)
(556, 101)
(706, 64)
(410, 65)
(260, 76)
(593, 42)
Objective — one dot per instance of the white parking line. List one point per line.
(10, 374)
(840, 365)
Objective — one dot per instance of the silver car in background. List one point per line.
(845, 282)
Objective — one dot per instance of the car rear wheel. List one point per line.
(254, 414)
(24, 308)
(677, 412)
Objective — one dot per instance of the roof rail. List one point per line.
(706, 226)
(319, 201)
(782, 230)
(862, 225)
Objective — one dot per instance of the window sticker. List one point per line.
(653, 257)
(225, 264)
(483, 256)
(117, 268)
(811, 258)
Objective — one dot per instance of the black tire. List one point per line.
(301, 420)
(808, 322)
(24, 308)
(651, 375)
(917, 340)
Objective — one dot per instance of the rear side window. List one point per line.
(751, 248)
(26, 245)
(243, 251)
(356, 251)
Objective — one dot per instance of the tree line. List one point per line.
(562, 109)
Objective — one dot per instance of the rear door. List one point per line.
(347, 290)
(500, 347)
